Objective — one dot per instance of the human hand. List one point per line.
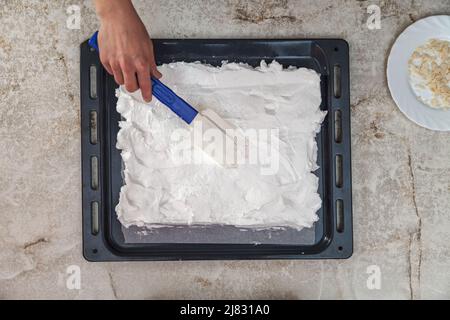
(126, 50)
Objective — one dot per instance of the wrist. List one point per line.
(113, 9)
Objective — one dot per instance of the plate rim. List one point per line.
(389, 77)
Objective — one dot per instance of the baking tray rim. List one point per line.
(107, 250)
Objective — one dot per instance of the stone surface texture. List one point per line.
(401, 172)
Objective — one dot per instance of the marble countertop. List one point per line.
(401, 172)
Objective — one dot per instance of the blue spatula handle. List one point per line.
(93, 42)
(163, 93)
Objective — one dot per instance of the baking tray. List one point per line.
(331, 237)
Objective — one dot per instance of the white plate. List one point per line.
(415, 35)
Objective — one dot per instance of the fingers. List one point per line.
(129, 76)
(108, 68)
(151, 57)
(104, 59)
(118, 75)
(154, 71)
(134, 74)
(144, 82)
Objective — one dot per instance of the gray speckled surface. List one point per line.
(401, 172)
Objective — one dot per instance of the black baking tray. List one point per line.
(103, 239)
